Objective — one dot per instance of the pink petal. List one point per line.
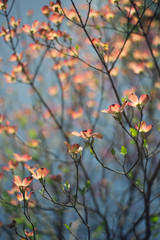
(125, 103)
(26, 28)
(34, 175)
(19, 197)
(27, 181)
(86, 133)
(98, 135)
(42, 172)
(148, 128)
(115, 108)
(105, 111)
(68, 145)
(29, 195)
(133, 98)
(17, 180)
(143, 99)
(137, 127)
(131, 104)
(77, 134)
(45, 172)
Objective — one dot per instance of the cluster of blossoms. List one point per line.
(40, 32)
(85, 134)
(22, 187)
(5, 126)
(143, 128)
(74, 148)
(115, 110)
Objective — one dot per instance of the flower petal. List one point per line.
(133, 98)
(143, 99)
(17, 180)
(98, 135)
(77, 134)
(27, 181)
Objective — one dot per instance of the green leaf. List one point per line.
(99, 229)
(145, 144)
(132, 141)
(70, 39)
(123, 150)
(77, 47)
(42, 192)
(154, 219)
(97, 27)
(32, 133)
(113, 152)
(123, 99)
(133, 132)
(131, 174)
(68, 227)
(67, 185)
(138, 182)
(88, 184)
(91, 151)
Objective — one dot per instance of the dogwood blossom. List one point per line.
(135, 102)
(143, 127)
(115, 109)
(87, 134)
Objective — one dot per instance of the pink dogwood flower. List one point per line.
(25, 183)
(143, 128)
(135, 102)
(22, 158)
(75, 148)
(115, 109)
(87, 134)
(40, 173)
(25, 196)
